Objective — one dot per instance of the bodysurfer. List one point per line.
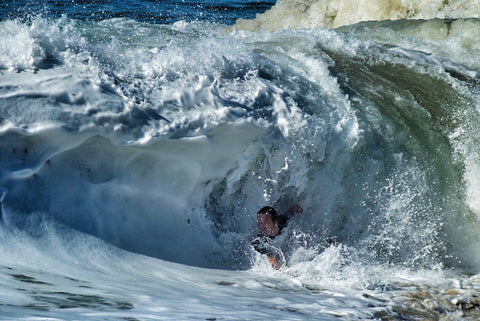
(271, 225)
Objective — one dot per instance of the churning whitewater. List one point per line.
(135, 154)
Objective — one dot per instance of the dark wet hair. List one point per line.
(269, 211)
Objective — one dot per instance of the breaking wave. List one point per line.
(166, 139)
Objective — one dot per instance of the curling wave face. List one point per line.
(166, 139)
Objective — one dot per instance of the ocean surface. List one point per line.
(138, 139)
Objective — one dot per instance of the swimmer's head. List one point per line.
(268, 222)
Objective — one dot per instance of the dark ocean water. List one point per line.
(151, 11)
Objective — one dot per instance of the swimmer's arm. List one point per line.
(275, 264)
(293, 210)
(274, 255)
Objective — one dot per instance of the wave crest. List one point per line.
(290, 14)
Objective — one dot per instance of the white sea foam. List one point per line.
(93, 280)
(290, 14)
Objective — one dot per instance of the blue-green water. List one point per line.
(145, 11)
